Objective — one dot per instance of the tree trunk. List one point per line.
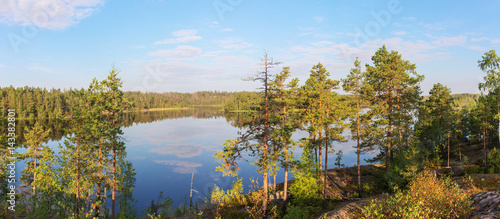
(34, 175)
(114, 186)
(315, 153)
(113, 192)
(274, 177)
(358, 153)
(448, 149)
(264, 150)
(389, 136)
(485, 145)
(191, 193)
(320, 166)
(388, 152)
(326, 163)
(285, 186)
(264, 193)
(77, 180)
(285, 183)
(98, 192)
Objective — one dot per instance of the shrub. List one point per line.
(233, 197)
(471, 169)
(159, 209)
(305, 189)
(305, 186)
(226, 202)
(426, 197)
(494, 161)
(296, 212)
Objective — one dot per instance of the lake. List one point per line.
(166, 147)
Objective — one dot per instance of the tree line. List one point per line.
(41, 104)
(384, 112)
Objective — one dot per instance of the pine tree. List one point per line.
(392, 84)
(283, 97)
(435, 122)
(34, 139)
(354, 84)
(114, 105)
(257, 138)
(323, 112)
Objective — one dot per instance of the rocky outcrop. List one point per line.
(352, 210)
(487, 204)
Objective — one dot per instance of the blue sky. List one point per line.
(186, 46)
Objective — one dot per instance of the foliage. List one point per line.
(494, 161)
(298, 212)
(161, 208)
(338, 159)
(305, 187)
(426, 197)
(355, 83)
(435, 124)
(256, 140)
(255, 209)
(242, 101)
(126, 200)
(393, 88)
(221, 198)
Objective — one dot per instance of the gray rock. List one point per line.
(348, 211)
(487, 204)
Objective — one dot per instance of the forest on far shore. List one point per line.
(42, 103)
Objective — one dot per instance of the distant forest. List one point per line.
(41, 104)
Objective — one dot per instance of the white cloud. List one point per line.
(183, 36)
(182, 167)
(450, 41)
(49, 14)
(409, 18)
(318, 19)
(226, 30)
(400, 33)
(2, 65)
(440, 25)
(233, 43)
(180, 151)
(495, 41)
(181, 33)
(180, 51)
(478, 48)
(416, 51)
(178, 163)
(38, 68)
(214, 53)
(322, 43)
(183, 39)
(479, 39)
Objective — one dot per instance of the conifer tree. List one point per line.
(257, 139)
(490, 64)
(394, 91)
(34, 139)
(435, 123)
(114, 105)
(282, 97)
(323, 112)
(354, 84)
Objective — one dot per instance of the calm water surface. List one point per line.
(166, 149)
